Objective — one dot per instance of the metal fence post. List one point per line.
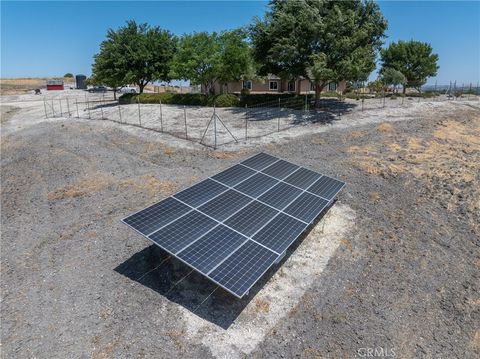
(185, 119)
(61, 111)
(68, 107)
(278, 117)
(76, 105)
(161, 115)
(246, 121)
(214, 127)
(45, 107)
(120, 113)
(139, 115)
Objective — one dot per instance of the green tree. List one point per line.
(323, 40)
(235, 61)
(135, 53)
(392, 77)
(375, 86)
(414, 59)
(68, 74)
(198, 59)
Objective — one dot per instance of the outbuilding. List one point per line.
(55, 85)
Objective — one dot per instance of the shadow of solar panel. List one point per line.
(280, 233)
(280, 169)
(180, 233)
(306, 207)
(243, 268)
(256, 185)
(251, 218)
(212, 248)
(260, 161)
(200, 193)
(225, 205)
(302, 178)
(234, 175)
(326, 187)
(152, 218)
(280, 195)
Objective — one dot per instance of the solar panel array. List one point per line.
(233, 226)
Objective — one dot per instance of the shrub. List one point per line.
(223, 100)
(256, 99)
(68, 74)
(187, 99)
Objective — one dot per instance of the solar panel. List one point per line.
(280, 195)
(233, 226)
(280, 169)
(243, 268)
(234, 175)
(326, 187)
(200, 193)
(280, 233)
(256, 185)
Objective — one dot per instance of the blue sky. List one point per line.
(52, 38)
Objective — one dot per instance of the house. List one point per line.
(274, 84)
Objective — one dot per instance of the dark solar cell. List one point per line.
(152, 218)
(234, 175)
(280, 169)
(225, 205)
(306, 207)
(280, 233)
(212, 248)
(303, 178)
(280, 195)
(251, 218)
(260, 161)
(183, 231)
(256, 185)
(326, 187)
(201, 192)
(239, 272)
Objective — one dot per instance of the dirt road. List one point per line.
(393, 266)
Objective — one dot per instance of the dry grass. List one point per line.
(177, 336)
(99, 181)
(261, 306)
(23, 85)
(386, 127)
(449, 154)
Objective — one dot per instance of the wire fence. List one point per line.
(214, 127)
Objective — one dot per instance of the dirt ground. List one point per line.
(392, 269)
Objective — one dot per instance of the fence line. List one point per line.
(247, 123)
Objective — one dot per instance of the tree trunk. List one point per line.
(318, 91)
(114, 94)
(141, 86)
(404, 89)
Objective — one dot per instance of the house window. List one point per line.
(332, 86)
(291, 86)
(273, 85)
(247, 85)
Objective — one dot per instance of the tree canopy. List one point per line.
(135, 53)
(414, 59)
(322, 40)
(204, 58)
(392, 77)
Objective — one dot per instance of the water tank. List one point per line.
(81, 82)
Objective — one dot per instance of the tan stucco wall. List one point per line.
(301, 87)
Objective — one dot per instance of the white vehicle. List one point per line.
(128, 89)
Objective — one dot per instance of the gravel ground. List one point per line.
(392, 268)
